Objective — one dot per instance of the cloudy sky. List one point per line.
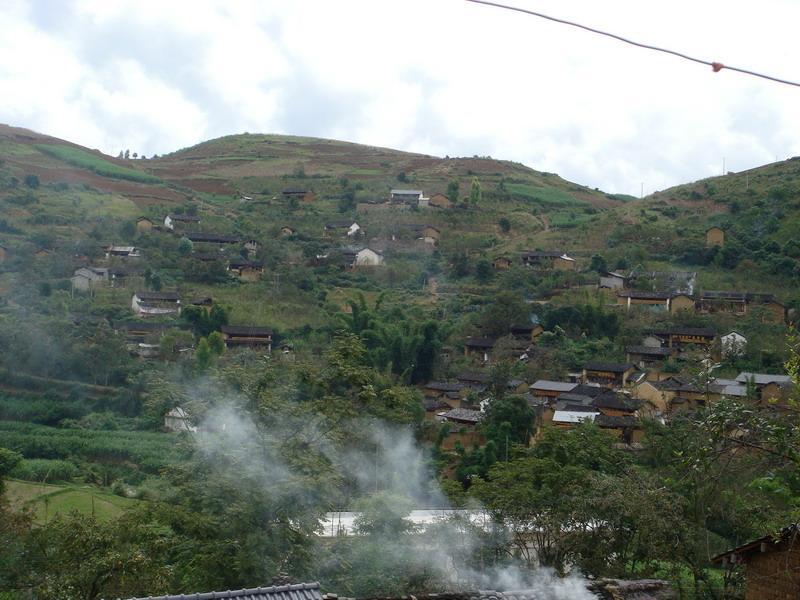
(443, 77)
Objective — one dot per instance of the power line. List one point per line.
(716, 66)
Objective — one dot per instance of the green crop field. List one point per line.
(552, 197)
(85, 160)
(46, 501)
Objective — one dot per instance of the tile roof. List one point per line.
(762, 378)
(443, 386)
(300, 591)
(698, 331)
(479, 342)
(165, 296)
(586, 389)
(248, 330)
(648, 350)
(610, 367)
(553, 386)
(464, 415)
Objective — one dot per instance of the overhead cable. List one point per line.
(716, 66)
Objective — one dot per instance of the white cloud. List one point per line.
(445, 77)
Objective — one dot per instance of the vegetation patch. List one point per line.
(86, 160)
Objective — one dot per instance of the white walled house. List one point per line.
(156, 304)
(732, 344)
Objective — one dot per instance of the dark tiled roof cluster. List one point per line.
(610, 367)
(300, 591)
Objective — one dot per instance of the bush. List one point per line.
(32, 181)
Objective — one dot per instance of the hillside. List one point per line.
(201, 354)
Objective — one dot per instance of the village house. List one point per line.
(355, 257)
(181, 222)
(451, 394)
(501, 263)
(659, 300)
(732, 344)
(741, 303)
(299, 194)
(211, 238)
(626, 428)
(153, 304)
(550, 260)
(479, 348)
(464, 428)
(434, 407)
(645, 357)
(567, 416)
(476, 382)
(770, 388)
(440, 201)
(177, 420)
(426, 233)
(247, 336)
(610, 375)
(348, 228)
(656, 300)
(246, 270)
(85, 279)
(615, 404)
(677, 282)
(771, 564)
(670, 395)
(612, 281)
(409, 197)
(251, 246)
(715, 236)
(113, 251)
(550, 390)
(681, 337)
(144, 224)
(136, 332)
(527, 333)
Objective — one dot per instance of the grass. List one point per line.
(46, 500)
(86, 160)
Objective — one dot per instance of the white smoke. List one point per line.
(387, 460)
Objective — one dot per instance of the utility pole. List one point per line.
(641, 193)
(723, 165)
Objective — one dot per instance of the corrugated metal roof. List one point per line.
(300, 591)
(568, 416)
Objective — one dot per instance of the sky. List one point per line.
(441, 77)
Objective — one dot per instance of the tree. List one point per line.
(127, 154)
(483, 270)
(155, 282)
(506, 310)
(452, 190)
(509, 420)
(8, 460)
(505, 225)
(475, 193)
(185, 246)
(203, 354)
(598, 264)
(216, 343)
(32, 181)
